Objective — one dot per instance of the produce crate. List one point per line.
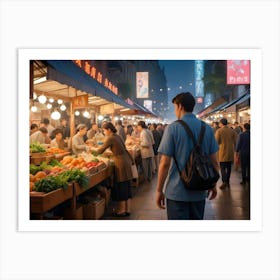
(38, 158)
(92, 170)
(94, 180)
(101, 166)
(94, 210)
(41, 202)
(73, 214)
(60, 156)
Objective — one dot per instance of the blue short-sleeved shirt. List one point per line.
(176, 142)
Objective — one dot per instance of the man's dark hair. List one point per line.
(56, 131)
(34, 125)
(43, 130)
(186, 99)
(46, 121)
(223, 121)
(247, 126)
(118, 122)
(142, 124)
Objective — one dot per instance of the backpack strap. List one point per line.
(201, 134)
(188, 130)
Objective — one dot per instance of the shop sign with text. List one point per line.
(96, 75)
(80, 102)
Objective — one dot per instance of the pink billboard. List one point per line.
(238, 72)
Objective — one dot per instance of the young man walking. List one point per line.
(182, 204)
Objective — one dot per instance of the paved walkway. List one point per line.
(230, 204)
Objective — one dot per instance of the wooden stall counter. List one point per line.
(42, 202)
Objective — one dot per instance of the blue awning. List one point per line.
(235, 101)
(243, 99)
(67, 72)
(212, 108)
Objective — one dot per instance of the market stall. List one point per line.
(55, 182)
(59, 89)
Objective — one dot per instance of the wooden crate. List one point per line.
(73, 214)
(94, 210)
(38, 158)
(41, 202)
(94, 180)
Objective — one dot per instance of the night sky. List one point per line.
(178, 73)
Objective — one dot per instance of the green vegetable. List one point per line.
(33, 169)
(94, 153)
(36, 148)
(61, 180)
(54, 162)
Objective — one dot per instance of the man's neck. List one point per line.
(183, 113)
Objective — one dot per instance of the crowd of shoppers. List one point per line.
(159, 145)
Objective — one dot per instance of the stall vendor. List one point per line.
(58, 141)
(78, 143)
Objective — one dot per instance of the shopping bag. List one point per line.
(236, 161)
(134, 171)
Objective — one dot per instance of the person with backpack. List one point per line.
(176, 145)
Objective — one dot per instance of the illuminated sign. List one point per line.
(199, 74)
(238, 72)
(148, 104)
(142, 84)
(92, 72)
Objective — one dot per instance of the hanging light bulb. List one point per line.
(55, 115)
(77, 113)
(49, 106)
(34, 108)
(116, 118)
(34, 95)
(59, 101)
(51, 100)
(100, 117)
(86, 114)
(62, 107)
(42, 99)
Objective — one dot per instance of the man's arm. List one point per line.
(213, 192)
(164, 165)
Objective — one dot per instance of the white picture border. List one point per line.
(255, 222)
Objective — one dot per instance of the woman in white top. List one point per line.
(78, 143)
(147, 151)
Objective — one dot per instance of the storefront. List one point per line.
(58, 180)
(237, 109)
(63, 89)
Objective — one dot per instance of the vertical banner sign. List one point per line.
(238, 72)
(199, 74)
(142, 84)
(148, 104)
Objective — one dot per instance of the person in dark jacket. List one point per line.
(243, 150)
